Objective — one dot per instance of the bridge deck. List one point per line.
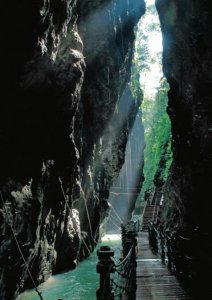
(154, 280)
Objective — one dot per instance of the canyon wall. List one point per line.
(64, 68)
(187, 30)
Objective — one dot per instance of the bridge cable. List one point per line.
(115, 225)
(86, 207)
(111, 218)
(19, 249)
(116, 213)
(115, 219)
(86, 246)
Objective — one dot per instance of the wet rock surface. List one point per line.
(65, 67)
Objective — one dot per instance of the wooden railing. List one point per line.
(184, 254)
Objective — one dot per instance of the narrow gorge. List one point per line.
(71, 132)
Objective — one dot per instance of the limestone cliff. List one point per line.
(64, 67)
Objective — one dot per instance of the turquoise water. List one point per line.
(79, 284)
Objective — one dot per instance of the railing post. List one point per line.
(153, 241)
(169, 251)
(123, 232)
(105, 267)
(131, 242)
(123, 238)
(162, 243)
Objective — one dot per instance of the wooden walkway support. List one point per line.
(154, 280)
(105, 267)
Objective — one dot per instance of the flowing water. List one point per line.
(79, 284)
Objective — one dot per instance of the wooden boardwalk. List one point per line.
(154, 280)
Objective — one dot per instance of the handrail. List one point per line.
(152, 225)
(177, 249)
(185, 238)
(123, 261)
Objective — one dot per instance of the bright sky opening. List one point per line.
(150, 79)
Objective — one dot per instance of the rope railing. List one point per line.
(125, 259)
(118, 279)
(123, 274)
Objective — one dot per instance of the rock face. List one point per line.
(65, 66)
(186, 27)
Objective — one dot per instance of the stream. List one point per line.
(78, 284)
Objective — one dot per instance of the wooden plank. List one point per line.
(154, 280)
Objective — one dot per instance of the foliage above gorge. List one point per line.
(158, 153)
(147, 74)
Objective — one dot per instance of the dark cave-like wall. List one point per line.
(187, 57)
(186, 30)
(64, 67)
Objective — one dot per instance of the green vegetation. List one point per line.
(135, 83)
(158, 153)
(147, 74)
